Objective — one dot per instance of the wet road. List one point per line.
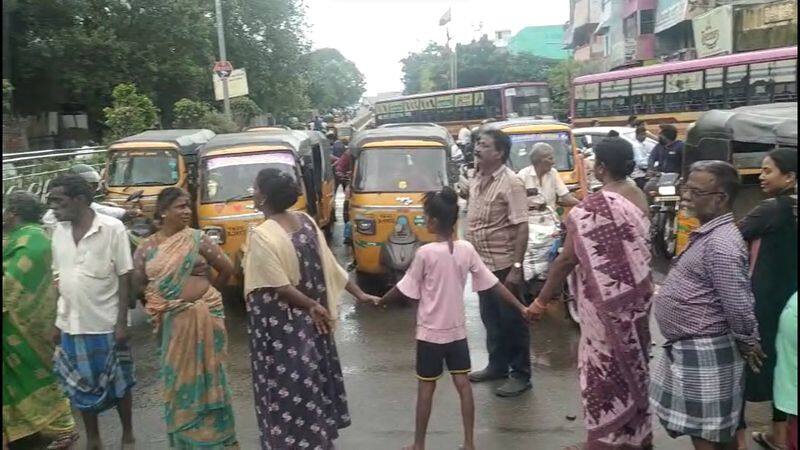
(377, 351)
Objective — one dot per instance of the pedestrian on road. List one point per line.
(33, 402)
(705, 312)
(437, 277)
(642, 147)
(771, 231)
(607, 247)
(497, 226)
(172, 268)
(92, 264)
(291, 308)
(785, 393)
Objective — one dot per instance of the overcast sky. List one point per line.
(377, 34)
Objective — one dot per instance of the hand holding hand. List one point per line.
(321, 318)
(374, 299)
(537, 309)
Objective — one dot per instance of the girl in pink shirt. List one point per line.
(437, 278)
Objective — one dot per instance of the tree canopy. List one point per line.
(479, 63)
(333, 80)
(68, 55)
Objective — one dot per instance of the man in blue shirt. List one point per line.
(666, 156)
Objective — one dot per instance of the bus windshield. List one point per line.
(231, 177)
(401, 170)
(522, 144)
(143, 168)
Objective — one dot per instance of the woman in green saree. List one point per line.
(32, 399)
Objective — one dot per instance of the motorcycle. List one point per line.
(664, 219)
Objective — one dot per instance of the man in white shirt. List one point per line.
(543, 183)
(641, 155)
(91, 265)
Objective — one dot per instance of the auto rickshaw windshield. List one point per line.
(401, 170)
(231, 177)
(143, 168)
(522, 144)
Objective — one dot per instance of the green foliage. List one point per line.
(130, 113)
(333, 80)
(243, 109)
(218, 123)
(479, 63)
(71, 53)
(8, 90)
(189, 113)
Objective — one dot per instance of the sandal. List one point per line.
(64, 441)
(762, 440)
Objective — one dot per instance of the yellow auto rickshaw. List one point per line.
(229, 164)
(148, 162)
(525, 132)
(741, 136)
(394, 168)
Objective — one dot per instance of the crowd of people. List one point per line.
(727, 308)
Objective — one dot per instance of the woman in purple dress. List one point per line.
(292, 285)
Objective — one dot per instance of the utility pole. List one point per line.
(453, 61)
(226, 101)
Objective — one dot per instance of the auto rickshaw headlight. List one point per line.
(215, 234)
(667, 190)
(365, 226)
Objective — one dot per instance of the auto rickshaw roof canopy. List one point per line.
(773, 123)
(187, 141)
(437, 134)
(298, 142)
(523, 122)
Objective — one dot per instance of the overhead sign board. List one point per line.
(237, 84)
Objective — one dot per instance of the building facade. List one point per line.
(614, 34)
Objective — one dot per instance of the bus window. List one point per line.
(715, 94)
(736, 86)
(784, 79)
(592, 108)
(492, 102)
(647, 94)
(760, 91)
(684, 91)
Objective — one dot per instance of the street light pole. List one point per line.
(226, 101)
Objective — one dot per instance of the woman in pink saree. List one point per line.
(606, 251)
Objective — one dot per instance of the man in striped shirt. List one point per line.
(705, 312)
(497, 226)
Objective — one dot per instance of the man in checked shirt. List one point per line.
(705, 312)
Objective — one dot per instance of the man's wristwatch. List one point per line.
(517, 265)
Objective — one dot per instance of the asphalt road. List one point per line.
(377, 351)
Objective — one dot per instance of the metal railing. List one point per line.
(32, 171)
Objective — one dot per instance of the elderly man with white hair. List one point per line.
(544, 186)
(545, 191)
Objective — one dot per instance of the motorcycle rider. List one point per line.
(664, 158)
(89, 174)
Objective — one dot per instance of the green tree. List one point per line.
(243, 110)
(333, 80)
(218, 123)
(189, 113)
(479, 63)
(130, 113)
(8, 91)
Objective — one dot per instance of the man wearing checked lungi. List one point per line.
(91, 263)
(705, 312)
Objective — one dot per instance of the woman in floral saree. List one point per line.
(187, 312)
(607, 246)
(32, 399)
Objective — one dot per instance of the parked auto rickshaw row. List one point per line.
(393, 167)
(218, 171)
